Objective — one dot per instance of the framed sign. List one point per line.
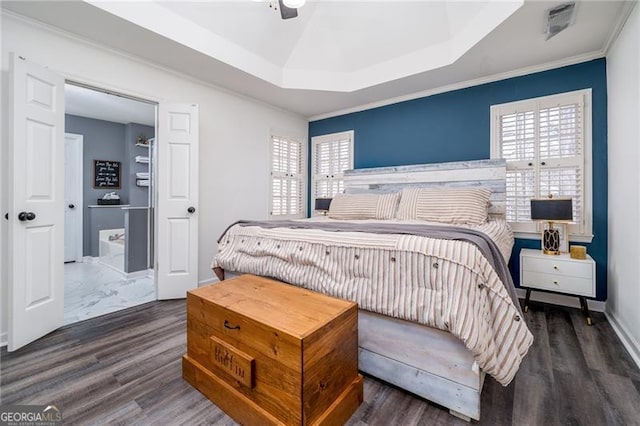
(106, 174)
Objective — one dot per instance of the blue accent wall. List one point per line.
(455, 126)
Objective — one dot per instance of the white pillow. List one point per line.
(446, 205)
(364, 206)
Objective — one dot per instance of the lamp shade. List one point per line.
(552, 209)
(323, 204)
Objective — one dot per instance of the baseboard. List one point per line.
(90, 259)
(114, 269)
(137, 274)
(4, 339)
(631, 344)
(561, 299)
(208, 281)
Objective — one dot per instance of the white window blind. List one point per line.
(287, 178)
(547, 144)
(331, 155)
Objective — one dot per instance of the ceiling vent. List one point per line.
(559, 18)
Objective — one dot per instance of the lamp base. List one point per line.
(551, 240)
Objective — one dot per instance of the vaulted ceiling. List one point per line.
(337, 54)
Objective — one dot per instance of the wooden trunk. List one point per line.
(269, 353)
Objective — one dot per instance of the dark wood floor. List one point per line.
(125, 368)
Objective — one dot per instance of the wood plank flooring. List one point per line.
(124, 368)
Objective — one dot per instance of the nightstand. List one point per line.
(558, 274)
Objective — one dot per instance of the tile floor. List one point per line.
(92, 289)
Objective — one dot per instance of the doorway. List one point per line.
(36, 201)
(109, 141)
(73, 148)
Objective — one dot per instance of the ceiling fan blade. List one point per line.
(287, 12)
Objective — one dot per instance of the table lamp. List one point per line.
(322, 205)
(551, 210)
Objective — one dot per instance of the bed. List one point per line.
(437, 309)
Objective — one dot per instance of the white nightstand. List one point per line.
(558, 274)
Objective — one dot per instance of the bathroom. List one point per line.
(109, 150)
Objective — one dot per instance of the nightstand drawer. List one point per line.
(559, 283)
(553, 266)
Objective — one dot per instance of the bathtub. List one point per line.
(111, 248)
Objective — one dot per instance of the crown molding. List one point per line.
(465, 84)
(627, 8)
(116, 52)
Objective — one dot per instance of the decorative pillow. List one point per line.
(364, 206)
(446, 205)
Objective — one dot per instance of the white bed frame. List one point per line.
(425, 361)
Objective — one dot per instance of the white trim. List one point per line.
(585, 57)
(79, 139)
(561, 299)
(584, 96)
(315, 140)
(301, 141)
(136, 275)
(536, 236)
(113, 268)
(90, 259)
(122, 54)
(627, 8)
(208, 281)
(631, 344)
(3, 339)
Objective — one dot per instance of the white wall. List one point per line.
(234, 130)
(623, 71)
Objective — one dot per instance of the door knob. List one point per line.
(24, 216)
(191, 209)
(72, 206)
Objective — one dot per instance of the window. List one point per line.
(547, 144)
(287, 178)
(331, 155)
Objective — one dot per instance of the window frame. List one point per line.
(330, 137)
(302, 175)
(582, 232)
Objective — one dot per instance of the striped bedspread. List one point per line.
(445, 284)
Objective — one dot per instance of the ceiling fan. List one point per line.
(288, 8)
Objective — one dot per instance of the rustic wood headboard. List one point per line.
(490, 174)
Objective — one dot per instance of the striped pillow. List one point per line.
(364, 206)
(446, 205)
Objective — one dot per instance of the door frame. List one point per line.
(118, 91)
(79, 224)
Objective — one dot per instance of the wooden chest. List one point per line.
(270, 353)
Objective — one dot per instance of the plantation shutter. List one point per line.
(331, 156)
(543, 141)
(287, 189)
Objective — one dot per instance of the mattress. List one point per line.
(446, 284)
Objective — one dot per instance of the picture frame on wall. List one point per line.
(107, 174)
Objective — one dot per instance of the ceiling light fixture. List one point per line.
(294, 4)
(288, 8)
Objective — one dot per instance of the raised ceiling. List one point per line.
(357, 53)
(335, 46)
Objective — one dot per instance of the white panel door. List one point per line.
(177, 195)
(73, 209)
(36, 209)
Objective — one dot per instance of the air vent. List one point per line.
(559, 18)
